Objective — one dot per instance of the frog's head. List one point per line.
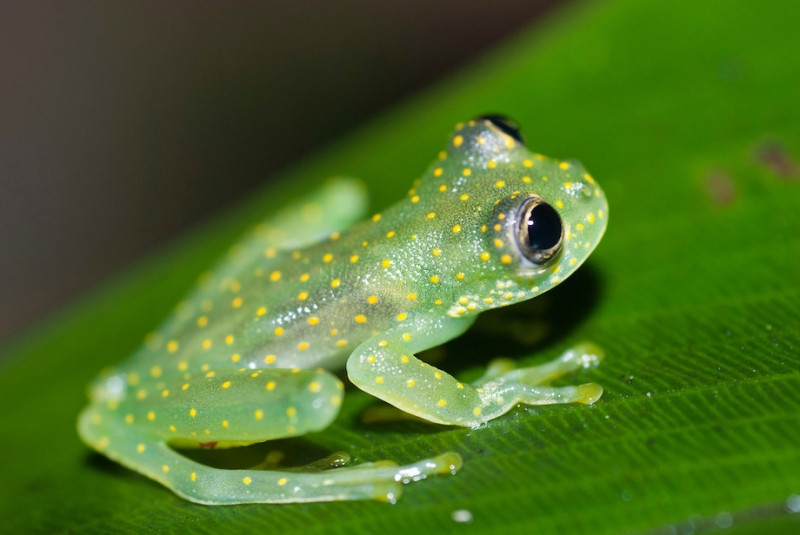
(523, 223)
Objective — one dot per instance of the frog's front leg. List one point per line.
(385, 366)
(230, 407)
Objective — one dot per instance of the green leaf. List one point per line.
(687, 113)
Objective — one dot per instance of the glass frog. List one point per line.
(247, 357)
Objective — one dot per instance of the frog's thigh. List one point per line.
(332, 206)
(237, 406)
(386, 368)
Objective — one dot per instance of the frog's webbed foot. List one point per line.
(584, 355)
(529, 384)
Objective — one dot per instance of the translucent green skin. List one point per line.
(244, 358)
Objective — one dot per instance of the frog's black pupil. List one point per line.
(544, 227)
(506, 125)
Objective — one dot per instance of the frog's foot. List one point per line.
(502, 387)
(382, 480)
(584, 355)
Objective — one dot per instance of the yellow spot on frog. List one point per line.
(457, 141)
(274, 276)
(361, 318)
(261, 311)
(172, 346)
(237, 302)
(259, 414)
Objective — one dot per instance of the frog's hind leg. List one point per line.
(235, 407)
(331, 207)
(199, 483)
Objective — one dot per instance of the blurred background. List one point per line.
(122, 124)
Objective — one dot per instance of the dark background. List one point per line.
(123, 123)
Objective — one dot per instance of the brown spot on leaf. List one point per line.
(720, 187)
(776, 157)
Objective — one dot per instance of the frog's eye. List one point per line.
(505, 125)
(540, 232)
